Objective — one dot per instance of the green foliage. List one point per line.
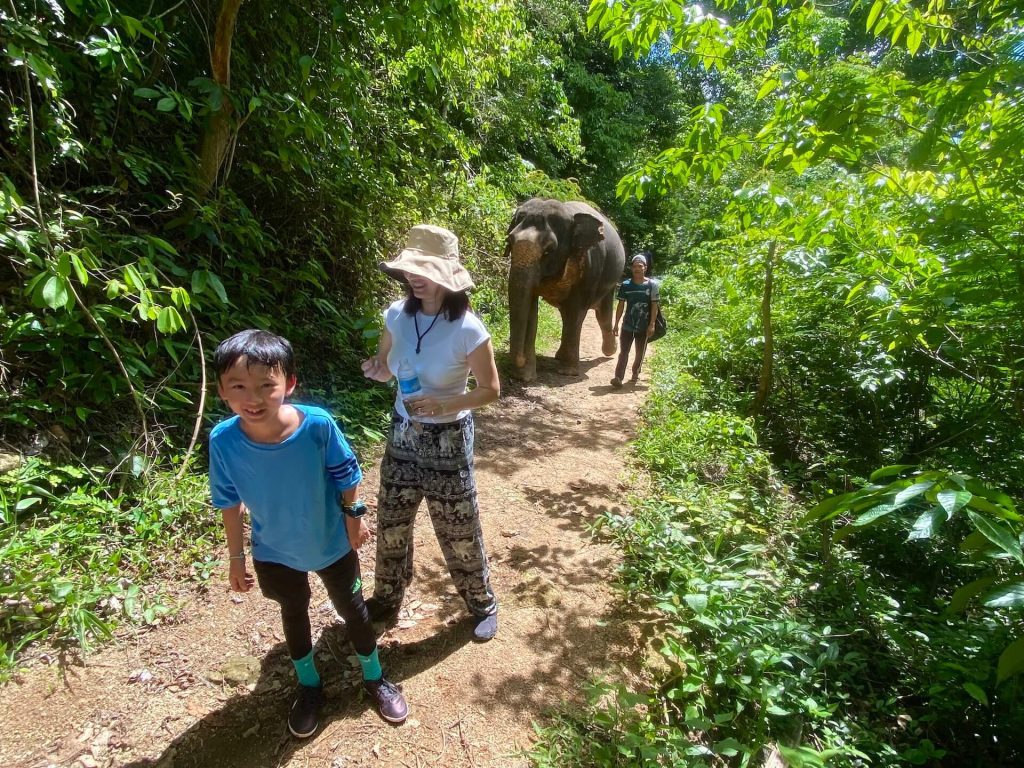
(117, 257)
(78, 558)
(882, 167)
(124, 261)
(765, 633)
(933, 503)
(874, 149)
(624, 112)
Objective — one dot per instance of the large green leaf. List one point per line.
(889, 471)
(927, 524)
(55, 292)
(976, 693)
(875, 513)
(974, 541)
(1009, 594)
(984, 505)
(999, 534)
(169, 321)
(954, 501)
(218, 287)
(967, 592)
(912, 491)
(697, 602)
(826, 508)
(997, 497)
(1011, 661)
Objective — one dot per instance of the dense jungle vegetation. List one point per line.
(174, 172)
(829, 567)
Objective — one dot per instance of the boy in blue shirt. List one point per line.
(288, 464)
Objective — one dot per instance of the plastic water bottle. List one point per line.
(408, 381)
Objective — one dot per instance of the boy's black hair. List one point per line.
(258, 348)
(453, 306)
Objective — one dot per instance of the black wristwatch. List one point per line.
(356, 510)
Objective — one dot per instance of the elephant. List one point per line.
(571, 256)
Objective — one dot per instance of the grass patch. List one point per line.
(549, 328)
(78, 556)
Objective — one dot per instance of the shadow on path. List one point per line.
(250, 730)
(547, 370)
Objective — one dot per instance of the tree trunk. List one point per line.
(764, 384)
(217, 137)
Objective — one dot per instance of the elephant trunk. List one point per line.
(523, 278)
(522, 284)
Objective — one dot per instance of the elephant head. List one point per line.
(547, 247)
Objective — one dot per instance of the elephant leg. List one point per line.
(530, 351)
(565, 342)
(568, 355)
(603, 310)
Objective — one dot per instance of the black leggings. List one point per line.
(629, 339)
(290, 588)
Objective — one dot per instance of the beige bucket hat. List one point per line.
(431, 252)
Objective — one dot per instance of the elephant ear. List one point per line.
(588, 231)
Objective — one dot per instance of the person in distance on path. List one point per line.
(638, 296)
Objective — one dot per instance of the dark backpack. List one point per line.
(660, 326)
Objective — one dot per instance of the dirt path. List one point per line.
(549, 458)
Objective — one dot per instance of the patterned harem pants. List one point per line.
(432, 461)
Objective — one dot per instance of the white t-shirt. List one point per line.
(441, 364)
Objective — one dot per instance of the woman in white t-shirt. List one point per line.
(432, 336)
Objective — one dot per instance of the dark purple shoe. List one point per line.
(485, 627)
(304, 717)
(390, 701)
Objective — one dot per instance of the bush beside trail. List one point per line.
(768, 632)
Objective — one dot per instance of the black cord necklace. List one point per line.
(419, 336)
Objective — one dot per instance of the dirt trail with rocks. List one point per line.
(212, 689)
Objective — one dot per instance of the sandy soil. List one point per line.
(213, 688)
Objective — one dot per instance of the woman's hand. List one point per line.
(424, 406)
(376, 368)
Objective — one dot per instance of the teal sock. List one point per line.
(370, 665)
(306, 670)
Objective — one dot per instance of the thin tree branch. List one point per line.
(202, 402)
(217, 137)
(764, 384)
(136, 397)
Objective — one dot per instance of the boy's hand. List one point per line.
(239, 577)
(377, 369)
(358, 531)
